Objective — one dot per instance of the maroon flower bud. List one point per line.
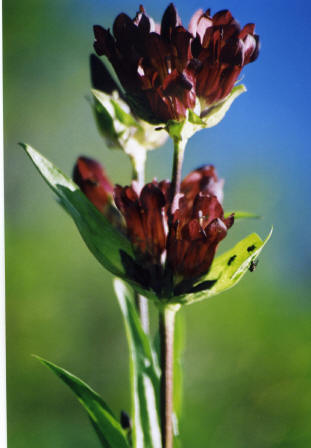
(176, 246)
(163, 69)
(92, 179)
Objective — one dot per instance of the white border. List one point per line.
(3, 421)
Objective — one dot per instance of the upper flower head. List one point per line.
(164, 68)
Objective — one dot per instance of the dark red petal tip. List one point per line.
(170, 20)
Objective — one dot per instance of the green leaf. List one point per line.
(216, 113)
(145, 374)
(243, 215)
(103, 240)
(228, 269)
(105, 123)
(195, 119)
(109, 430)
(124, 117)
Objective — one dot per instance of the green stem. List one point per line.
(138, 165)
(179, 150)
(166, 330)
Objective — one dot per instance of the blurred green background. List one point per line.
(248, 352)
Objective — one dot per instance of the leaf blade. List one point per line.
(228, 268)
(110, 433)
(145, 374)
(216, 113)
(103, 240)
(240, 214)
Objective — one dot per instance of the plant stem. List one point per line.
(179, 150)
(138, 161)
(167, 329)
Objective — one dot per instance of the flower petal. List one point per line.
(170, 20)
(90, 176)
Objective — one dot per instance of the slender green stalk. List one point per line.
(167, 329)
(138, 165)
(179, 150)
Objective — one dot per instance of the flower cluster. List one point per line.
(174, 245)
(165, 68)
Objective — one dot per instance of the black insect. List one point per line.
(253, 265)
(231, 260)
(125, 420)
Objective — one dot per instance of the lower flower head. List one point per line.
(175, 241)
(173, 247)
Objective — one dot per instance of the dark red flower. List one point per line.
(221, 49)
(174, 248)
(90, 176)
(163, 69)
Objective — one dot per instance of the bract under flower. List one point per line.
(166, 69)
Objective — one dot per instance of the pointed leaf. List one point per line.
(103, 240)
(145, 374)
(216, 113)
(195, 119)
(124, 117)
(107, 427)
(243, 215)
(228, 269)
